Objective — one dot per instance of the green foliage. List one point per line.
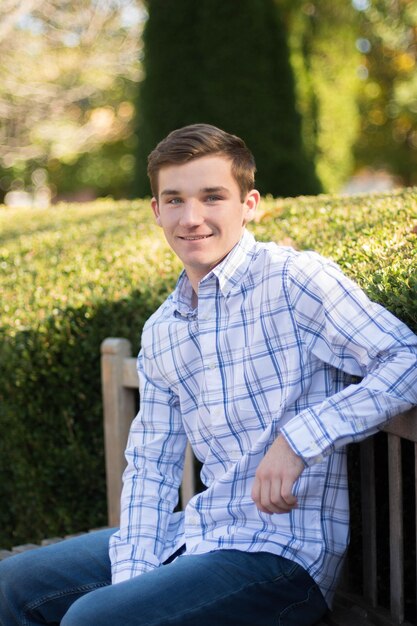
(70, 277)
(388, 99)
(231, 69)
(109, 170)
(325, 61)
(73, 275)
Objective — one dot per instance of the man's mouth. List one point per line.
(195, 237)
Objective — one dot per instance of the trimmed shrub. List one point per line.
(70, 277)
(73, 275)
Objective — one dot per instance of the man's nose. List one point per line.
(191, 214)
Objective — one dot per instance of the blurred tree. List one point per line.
(67, 77)
(69, 72)
(224, 63)
(325, 61)
(388, 43)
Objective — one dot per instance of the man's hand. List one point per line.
(275, 478)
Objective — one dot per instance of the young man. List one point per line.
(254, 359)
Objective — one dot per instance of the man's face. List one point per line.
(201, 212)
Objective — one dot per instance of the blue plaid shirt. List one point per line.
(278, 344)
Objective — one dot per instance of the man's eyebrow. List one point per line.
(170, 192)
(177, 192)
(214, 189)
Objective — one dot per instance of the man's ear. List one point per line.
(155, 209)
(251, 204)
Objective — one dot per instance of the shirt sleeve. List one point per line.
(155, 458)
(339, 325)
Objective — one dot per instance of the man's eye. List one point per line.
(174, 201)
(214, 198)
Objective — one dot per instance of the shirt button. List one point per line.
(318, 459)
(193, 520)
(234, 455)
(212, 366)
(217, 411)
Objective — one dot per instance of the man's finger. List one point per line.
(277, 501)
(266, 504)
(256, 495)
(287, 495)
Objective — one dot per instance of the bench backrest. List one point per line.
(120, 399)
(400, 440)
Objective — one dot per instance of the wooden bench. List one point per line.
(387, 593)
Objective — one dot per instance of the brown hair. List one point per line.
(199, 140)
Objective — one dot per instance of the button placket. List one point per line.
(207, 311)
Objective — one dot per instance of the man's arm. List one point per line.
(337, 324)
(155, 454)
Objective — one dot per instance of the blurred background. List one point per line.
(324, 93)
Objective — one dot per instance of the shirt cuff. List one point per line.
(129, 561)
(308, 438)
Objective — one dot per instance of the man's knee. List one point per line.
(88, 610)
(12, 591)
(21, 571)
(10, 574)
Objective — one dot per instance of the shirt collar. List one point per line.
(234, 266)
(181, 297)
(229, 272)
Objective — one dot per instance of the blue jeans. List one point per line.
(69, 584)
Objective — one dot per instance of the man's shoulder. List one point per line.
(286, 257)
(162, 313)
(272, 252)
(273, 262)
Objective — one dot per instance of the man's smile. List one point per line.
(194, 237)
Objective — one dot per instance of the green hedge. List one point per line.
(75, 274)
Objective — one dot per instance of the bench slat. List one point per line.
(368, 496)
(188, 486)
(404, 425)
(415, 515)
(130, 374)
(119, 409)
(396, 528)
